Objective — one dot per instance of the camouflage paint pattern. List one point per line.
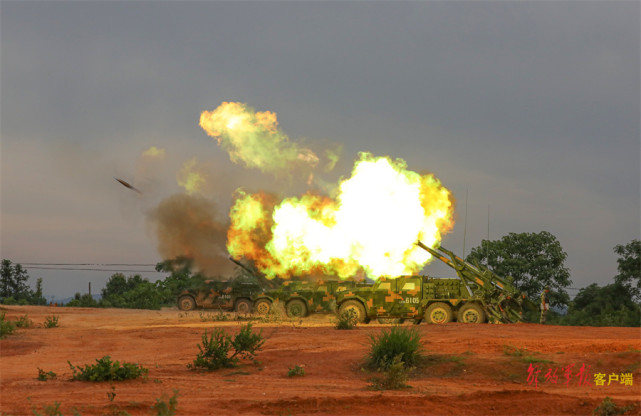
(406, 297)
(318, 296)
(221, 295)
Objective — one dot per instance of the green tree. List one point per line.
(181, 277)
(83, 301)
(37, 297)
(629, 266)
(534, 260)
(610, 305)
(13, 282)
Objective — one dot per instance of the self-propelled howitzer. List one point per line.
(501, 300)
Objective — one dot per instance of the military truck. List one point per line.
(476, 296)
(236, 295)
(300, 298)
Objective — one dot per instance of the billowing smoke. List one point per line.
(189, 226)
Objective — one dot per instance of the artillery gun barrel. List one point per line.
(242, 265)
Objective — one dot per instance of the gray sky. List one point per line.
(531, 107)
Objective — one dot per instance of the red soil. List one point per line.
(468, 370)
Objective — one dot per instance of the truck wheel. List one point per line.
(439, 313)
(186, 303)
(296, 308)
(262, 306)
(243, 306)
(471, 313)
(357, 307)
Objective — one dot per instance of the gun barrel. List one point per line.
(435, 254)
(242, 265)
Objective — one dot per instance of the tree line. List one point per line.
(533, 261)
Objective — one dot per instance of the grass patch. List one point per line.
(609, 408)
(6, 327)
(166, 405)
(297, 370)
(46, 375)
(51, 321)
(524, 355)
(347, 320)
(398, 341)
(394, 377)
(221, 351)
(106, 370)
(24, 322)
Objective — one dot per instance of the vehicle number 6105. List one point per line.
(411, 300)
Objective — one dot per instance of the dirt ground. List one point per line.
(470, 369)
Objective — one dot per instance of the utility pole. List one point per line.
(465, 224)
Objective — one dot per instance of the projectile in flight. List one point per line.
(128, 185)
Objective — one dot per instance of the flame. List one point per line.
(372, 225)
(254, 139)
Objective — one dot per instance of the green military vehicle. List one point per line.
(235, 295)
(300, 298)
(476, 296)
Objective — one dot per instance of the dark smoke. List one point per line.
(189, 226)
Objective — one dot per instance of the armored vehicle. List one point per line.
(475, 296)
(235, 295)
(300, 298)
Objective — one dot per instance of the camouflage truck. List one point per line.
(412, 297)
(235, 295)
(300, 298)
(475, 296)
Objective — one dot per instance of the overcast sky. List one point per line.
(531, 108)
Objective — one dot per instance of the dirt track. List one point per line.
(469, 371)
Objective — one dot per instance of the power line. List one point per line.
(93, 270)
(88, 264)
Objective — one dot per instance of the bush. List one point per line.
(46, 375)
(347, 320)
(51, 321)
(609, 408)
(215, 350)
(106, 370)
(298, 370)
(6, 327)
(397, 342)
(24, 322)
(392, 378)
(166, 406)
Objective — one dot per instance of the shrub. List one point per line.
(347, 320)
(392, 378)
(6, 327)
(51, 321)
(298, 370)
(24, 322)
(46, 375)
(215, 349)
(166, 406)
(397, 342)
(106, 370)
(609, 408)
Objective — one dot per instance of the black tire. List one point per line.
(439, 313)
(471, 313)
(296, 308)
(243, 306)
(262, 307)
(356, 306)
(186, 303)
